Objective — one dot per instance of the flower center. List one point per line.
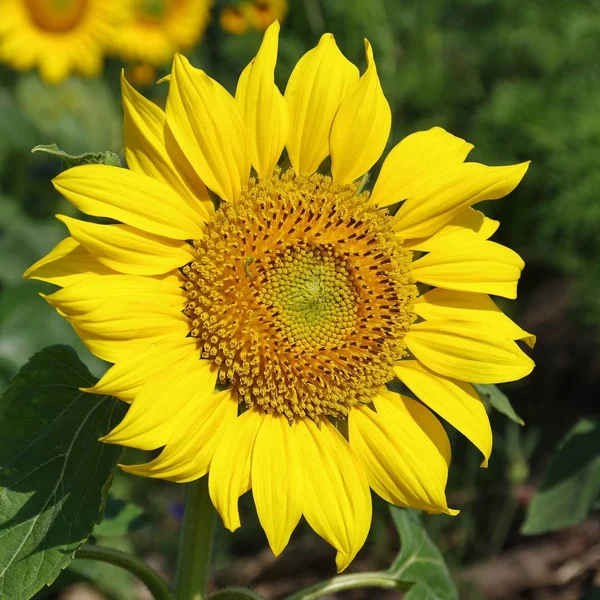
(310, 293)
(300, 294)
(56, 16)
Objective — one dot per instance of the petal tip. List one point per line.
(369, 52)
(342, 561)
(232, 525)
(274, 27)
(277, 547)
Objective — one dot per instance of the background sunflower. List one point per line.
(59, 37)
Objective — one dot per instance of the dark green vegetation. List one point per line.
(518, 79)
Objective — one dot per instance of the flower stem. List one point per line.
(151, 579)
(347, 582)
(196, 542)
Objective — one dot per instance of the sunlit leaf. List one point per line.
(571, 483)
(420, 561)
(54, 474)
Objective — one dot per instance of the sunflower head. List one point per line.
(59, 37)
(300, 293)
(157, 29)
(253, 14)
(257, 313)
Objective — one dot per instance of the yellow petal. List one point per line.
(488, 229)
(126, 378)
(129, 250)
(337, 502)
(404, 450)
(469, 225)
(209, 128)
(444, 197)
(87, 294)
(457, 349)
(130, 197)
(276, 480)
(473, 266)
(229, 475)
(464, 306)
(165, 405)
(263, 106)
(361, 126)
(114, 330)
(416, 160)
(318, 84)
(455, 401)
(151, 149)
(67, 263)
(188, 452)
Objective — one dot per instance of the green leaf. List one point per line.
(420, 561)
(236, 593)
(54, 474)
(120, 518)
(73, 160)
(571, 483)
(491, 394)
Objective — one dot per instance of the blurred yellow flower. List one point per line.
(256, 14)
(142, 74)
(59, 37)
(255, 316)
(261, 13)
(157, 29)
(233, 20)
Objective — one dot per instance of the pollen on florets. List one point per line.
(301, 295)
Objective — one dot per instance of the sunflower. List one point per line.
(60, 37)
(157, 29)
(257, 14)
(256, 314)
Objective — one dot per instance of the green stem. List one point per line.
(151, 579)
(347, 582)
(196, 542)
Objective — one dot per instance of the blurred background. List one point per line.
(518, 79)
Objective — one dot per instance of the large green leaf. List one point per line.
(54, 474)
(491, 394)
(571, 483)
(420, 561)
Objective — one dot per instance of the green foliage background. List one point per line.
(519, 79)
